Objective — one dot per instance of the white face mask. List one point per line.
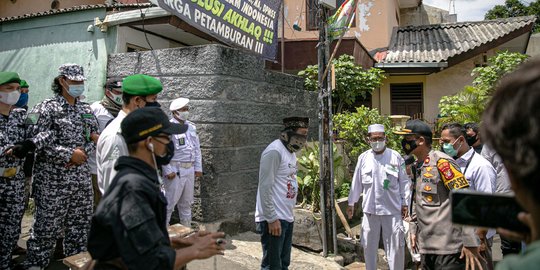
(10, 98)
(182, 115)
(117, 98)
(378, 146)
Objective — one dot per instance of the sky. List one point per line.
(467, 10)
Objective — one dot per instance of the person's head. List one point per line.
(113, 90)
(147, 133)
(294, 134)
(511, 126)
(180, 109)
(417, 137)
(9, 88)
(473, 134)
(23, 99)
(377, 138)
(70, 80)
(453, 140)
(140, 91)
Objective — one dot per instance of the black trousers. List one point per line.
(442, 262)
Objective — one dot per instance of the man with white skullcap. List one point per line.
(185, 165)
(381, 179)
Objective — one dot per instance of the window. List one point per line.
(407, 99)
(312, 18)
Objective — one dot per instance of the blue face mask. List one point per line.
(448, 148)
(75, 90)
(23, 100)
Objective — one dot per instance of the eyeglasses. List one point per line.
(165, 137)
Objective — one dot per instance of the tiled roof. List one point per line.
(439, 42)
(76, 8)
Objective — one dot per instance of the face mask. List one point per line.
(166, 158)
(117, 98)
(75, 90)
(293, 142)
(153, 104)
(378, 146)
(448, 148)
(10, 98)
(471, 139)
(182, 115)
(23, 100)
(408, 146)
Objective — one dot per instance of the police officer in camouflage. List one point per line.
(63, 130)
(11, 174)
(441, 244)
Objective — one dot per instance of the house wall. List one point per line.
(381, 97)
(9, 8)
(375, 20)
(36, 47)
(533, 49)
(238, 109)
(135, 37)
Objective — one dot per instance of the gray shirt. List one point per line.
(502, 182)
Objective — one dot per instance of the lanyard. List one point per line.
(468, 163)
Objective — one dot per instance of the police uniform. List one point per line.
(12, 130)
(185, 162)
(129, 223)
(62, 191)
(436, 234)
(110, 144)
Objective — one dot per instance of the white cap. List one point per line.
(375, 128)
(178, 104)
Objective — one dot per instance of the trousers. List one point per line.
(276, 249)
(11, 213)
(179, 193)
(393, 236)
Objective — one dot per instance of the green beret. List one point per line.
(141, 85)
(9, 77)
(24, 84)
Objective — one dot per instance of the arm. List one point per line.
(110, 148)
(201, 245)
(198, 156)
(486, 178)
(269, 165)
(92, 129)
(404, 183)
(356, 188)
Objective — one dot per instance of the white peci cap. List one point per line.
(178, 104)
(375, 128)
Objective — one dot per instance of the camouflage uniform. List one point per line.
(11, 184)
(62, 193)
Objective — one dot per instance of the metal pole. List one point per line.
(283, 36)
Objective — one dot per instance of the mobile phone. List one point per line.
(486, 210)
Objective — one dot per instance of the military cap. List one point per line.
(9, 77)
(141, 85)
(416, 126)
(73, 72)
(24, 84)
(146, 122)
(296, 122)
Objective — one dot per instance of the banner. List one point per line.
(250, 24)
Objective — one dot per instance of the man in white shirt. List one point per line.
(138, 91)
(185, 165)
(276, 194)
(105, 111)
(476, 169)
(380, 177)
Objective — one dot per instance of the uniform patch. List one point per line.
(427, 160)
(386, 183)
(428, 169)
(32, 118)
(429, 198)
(451, 175)
(426, 180)
(87, 115)
(428, 175)
(427, 188)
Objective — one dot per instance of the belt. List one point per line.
(9, 172)
(185, 165)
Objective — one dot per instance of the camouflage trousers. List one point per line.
(11, 212)
(63, 207)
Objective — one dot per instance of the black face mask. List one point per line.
(166, 158)
(471, 139)
(408, 146)
(293, 141)
(152, 104)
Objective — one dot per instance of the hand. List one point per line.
(413, 242)
(472, 258)
(481, 233)
(274, 228)
(404, 211)
(185, 241)
(350, 211)
(21, 149)
(198, 174)
(94, 137)
(526, 219)
(78, 157)
(171, 176)
(208, 245)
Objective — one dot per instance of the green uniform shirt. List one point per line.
(530, 259)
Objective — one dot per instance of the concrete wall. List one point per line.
(36, 47)
(237, 107)
(533, 49)
(423, 15)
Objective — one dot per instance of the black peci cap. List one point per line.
(146, 122)
(416, 126)
(296, 122)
